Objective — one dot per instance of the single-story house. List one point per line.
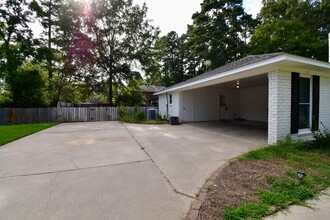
(291, 94)
(148, 93)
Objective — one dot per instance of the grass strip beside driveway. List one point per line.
(264, 181)
(9, 133)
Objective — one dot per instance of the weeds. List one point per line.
(247, 211)
(312, 157)
(137, 116)
(322, 138)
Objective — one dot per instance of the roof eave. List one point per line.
(270, 61)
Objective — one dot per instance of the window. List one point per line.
(170, 98)
(222, 101)
(304, 103)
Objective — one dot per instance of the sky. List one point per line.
(174, 15)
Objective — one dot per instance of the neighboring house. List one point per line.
(287, 92)
(148, 93)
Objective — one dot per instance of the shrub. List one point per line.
(124, 113)
(139, 116)
(322, 137)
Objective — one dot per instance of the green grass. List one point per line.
(283, 192)
(247, 211)
(10, 133)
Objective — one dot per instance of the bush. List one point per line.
(124, 113)
(139, 116)
(322, 138)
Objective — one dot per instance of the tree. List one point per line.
(219, 32)
(123, 36)
(293, 26)
(15, 36)
(28, 86)
(176, 62)
(171, 61)
(48, 13)
(130, 94)
(74, 76)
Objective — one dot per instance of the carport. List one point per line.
(286, 93)
(244, 100)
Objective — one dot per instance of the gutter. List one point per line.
(284, 57)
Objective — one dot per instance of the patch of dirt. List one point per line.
(238, 182)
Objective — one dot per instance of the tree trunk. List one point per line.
(49, 58)
(110, 96)
(110, 90)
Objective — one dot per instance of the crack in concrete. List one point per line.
(72, 170)
(51, 190)
(74, 131)
(157, 167)
(71, 159)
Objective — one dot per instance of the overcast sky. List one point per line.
(176, 14)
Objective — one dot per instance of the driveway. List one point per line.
(109, 170)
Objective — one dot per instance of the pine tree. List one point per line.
(219, 31)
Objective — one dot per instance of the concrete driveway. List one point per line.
(108, 170)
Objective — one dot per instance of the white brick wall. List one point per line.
(324, 102)
(279, 105)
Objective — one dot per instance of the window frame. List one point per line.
(307, 129)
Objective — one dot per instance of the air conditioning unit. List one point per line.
(151, 114)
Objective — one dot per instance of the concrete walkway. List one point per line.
(107, 170)
(318, 209)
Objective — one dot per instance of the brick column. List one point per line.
(279, 105)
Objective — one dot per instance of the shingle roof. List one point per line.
(230, 66)
(150, 88)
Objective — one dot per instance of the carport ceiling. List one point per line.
(260, 80)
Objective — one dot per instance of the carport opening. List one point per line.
(249, 102)
(245, 105)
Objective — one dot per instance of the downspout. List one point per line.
(166, 105)
(329, 47)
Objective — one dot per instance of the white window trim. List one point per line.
(304, 131)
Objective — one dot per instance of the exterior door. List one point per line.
(92, 114)
(188, 106)
(223, 108)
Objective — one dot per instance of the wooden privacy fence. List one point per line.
(63, 114)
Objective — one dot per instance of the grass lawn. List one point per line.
(265, 181)
(10, 133)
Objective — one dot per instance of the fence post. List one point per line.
(12, 116)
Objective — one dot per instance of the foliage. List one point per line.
(125, 115)
(129, 95)
(5, 99)
(282, 192)
(93, 49)
(47, 12)
(27, 86)
(122, 35)
(322, 137)
(174, 57)
(293, 26)
(136, 116)
(220, 31)
(129, 98)
(15, 36)
(10, 133)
